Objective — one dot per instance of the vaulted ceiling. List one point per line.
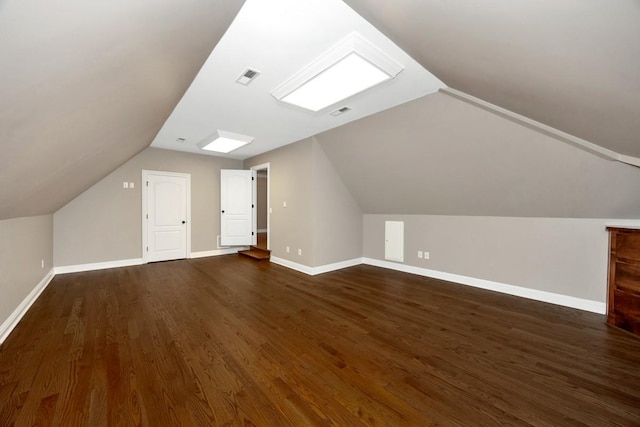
(279, 38)
(84, 86)
(470, 162)
(570, 64)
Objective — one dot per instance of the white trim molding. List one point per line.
(312, 271)
(534, 294)
(292, 265)
(336, 266)
(258, 168)
(98, 266)
(15, 317)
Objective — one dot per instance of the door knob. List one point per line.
(222, 211)
(184, 222)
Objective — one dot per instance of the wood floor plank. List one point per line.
(230, 341)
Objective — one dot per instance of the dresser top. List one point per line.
(623, 227)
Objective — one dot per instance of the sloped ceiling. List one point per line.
(468, 161)
(84, 86)
(572, 64)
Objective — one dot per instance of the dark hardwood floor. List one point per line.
(230, 341)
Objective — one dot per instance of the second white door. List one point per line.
(237, 202)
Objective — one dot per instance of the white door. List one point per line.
(166, 215)
(237, 204)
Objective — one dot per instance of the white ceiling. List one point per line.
(278, 38)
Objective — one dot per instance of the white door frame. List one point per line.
(145, 174)
(262, 167)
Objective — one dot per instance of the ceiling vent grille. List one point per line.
(247, 76)
(340, 111)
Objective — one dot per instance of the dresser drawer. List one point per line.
(627, 311)
(627, 276)
(628, 245)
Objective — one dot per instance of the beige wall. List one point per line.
(337, 218)
(290, 182)
(24, 243)
(488, 198)
(321, 217)
(559, 255)
(262, 203)
(440, 156)
(104, 223)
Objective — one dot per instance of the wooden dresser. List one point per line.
(624, 279)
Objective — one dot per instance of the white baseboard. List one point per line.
(217, 252)
(292, 265)
(98, 266)
(563, 300)
(312, 271)
(335, 266)
(534, 294)
(138, 261)
(19, 312)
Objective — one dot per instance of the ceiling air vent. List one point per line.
(247, 76)
(340, 111)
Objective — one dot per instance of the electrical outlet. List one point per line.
(287, 249)
(131, 185)
(42, 264)
(284, 204)
(426, 255)
(125, 185)
(299, 251)
(419, 254)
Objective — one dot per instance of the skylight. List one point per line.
(225, 142)
(352, 66)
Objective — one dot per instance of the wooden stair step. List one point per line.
(256, 248)
(256, 253)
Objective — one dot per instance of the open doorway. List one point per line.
(262, 206)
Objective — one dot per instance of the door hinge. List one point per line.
(147, 183)
(252, 179)
(147, 248)
(252, 233)
(147, 216)
(252, 205)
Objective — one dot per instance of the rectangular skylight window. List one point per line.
(345, 78)
(352, 66)
(225, 142)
